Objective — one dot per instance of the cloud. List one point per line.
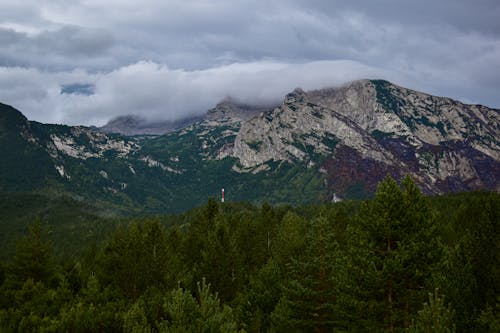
(56, 50)
(78, 89)
(155, 91)
(166, 59)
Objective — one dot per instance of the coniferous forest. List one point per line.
(400, 262)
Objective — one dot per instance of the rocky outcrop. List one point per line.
(84, 142)
(297, 130)
(444, 144)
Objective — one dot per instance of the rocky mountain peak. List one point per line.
(296, 96)
(443, 143)
(231, 110)
(136, 125)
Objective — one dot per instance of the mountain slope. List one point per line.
(318, 145)
(24, 164)
(368, 129)
(227, 109)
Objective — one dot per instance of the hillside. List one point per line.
(316, 146)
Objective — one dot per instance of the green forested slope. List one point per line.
(70, 224)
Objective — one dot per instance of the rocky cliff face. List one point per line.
(446, 145)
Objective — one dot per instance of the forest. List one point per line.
(400, 262)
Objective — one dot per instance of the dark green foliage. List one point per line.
(350, 266)
(23, 166)
(489, 318)
(32, 260)
(69, 223)
(435, 317)
(139, 257)
(309, 298)
(255, 145)
(395, 251)
(473, 267)
(379, 135)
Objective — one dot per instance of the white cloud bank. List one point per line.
(157, 92)
(167, 59)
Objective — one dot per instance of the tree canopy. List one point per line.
(398, 262)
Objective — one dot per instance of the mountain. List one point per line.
(326, 144)
(135, 125)
(368, 129)
(227, 108)
(231, 110)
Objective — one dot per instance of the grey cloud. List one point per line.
(465, 15)
(62, 49)
(154, 91)
(170, 58)
(78, 89)
(74, 41)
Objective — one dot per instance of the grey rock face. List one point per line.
(296, 127)
(434, 139)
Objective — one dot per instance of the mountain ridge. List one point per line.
(136, 125)
(315, 146)
(228, 109)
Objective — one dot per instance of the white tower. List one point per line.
(222, 197)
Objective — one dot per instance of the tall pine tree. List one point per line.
(309, 298)
(394, 251)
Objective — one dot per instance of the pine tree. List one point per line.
(139, 257)
(309, 301)
(184, 313)
(394, 252)
(472, 266)
(219, 261)
(435, 317)
(32, 259)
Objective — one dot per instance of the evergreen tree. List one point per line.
(309, 301)
(290, 241)
(96, 309)
(32, 259)
(394, 252)
(489, 319)
(220, 261)
(472, 268)
(139, 257)
(184, 313)
(435, 317)
(261, 297)
(195, 242)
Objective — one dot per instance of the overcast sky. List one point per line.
(84, 62)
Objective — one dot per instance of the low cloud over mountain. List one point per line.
(170, 59)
